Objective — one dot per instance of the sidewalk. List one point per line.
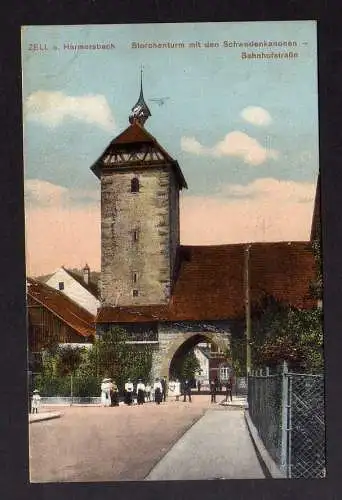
(218, 446)
(38, 417)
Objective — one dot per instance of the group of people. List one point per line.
(214, 388)
(144, 392)
(109, 393)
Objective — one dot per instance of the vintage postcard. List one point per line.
(174, 282)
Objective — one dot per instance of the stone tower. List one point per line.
(140, 185)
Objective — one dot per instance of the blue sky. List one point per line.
(238, 127)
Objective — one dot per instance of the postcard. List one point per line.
(173, 252)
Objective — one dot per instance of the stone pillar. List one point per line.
(156, 364)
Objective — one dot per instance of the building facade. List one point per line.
(80, 289)
(165, 294)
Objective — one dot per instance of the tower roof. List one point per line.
(136, 148)
(140, 111)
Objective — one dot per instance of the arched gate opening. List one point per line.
(211, 349)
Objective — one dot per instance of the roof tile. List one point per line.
(211, 283)
(59, 304)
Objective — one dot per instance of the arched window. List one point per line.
(135, 185)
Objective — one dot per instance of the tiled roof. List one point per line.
(129, 138)
(91, 287)
(211, 283)
(61, 306)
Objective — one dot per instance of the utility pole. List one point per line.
(248, 309)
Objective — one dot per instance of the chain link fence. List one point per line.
(307, 427)
(287, 409)
(264, 406)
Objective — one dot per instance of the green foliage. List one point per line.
(186, 366)
(68, 359)
(285, 333)
(316, 287)
(110, 356)
(238, 354)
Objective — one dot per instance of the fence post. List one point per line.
(71, 390)
(284, 419)
(289, 423)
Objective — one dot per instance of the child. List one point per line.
(35, 401)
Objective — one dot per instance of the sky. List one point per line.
(241, 120)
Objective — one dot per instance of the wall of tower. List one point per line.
(174, 220)
(135, 234)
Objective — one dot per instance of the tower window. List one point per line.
(135, 277)
(135, 293)
(135, 186)
(135, 235)
(61, 285)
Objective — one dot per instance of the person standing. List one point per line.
(229, 389)
(199, 386)
(148, 391)
(105, 391)
(177, 389)
(129, 392)
(140, 392)
(187, 390)
(164, 386)
(213, 391)
(35, 404)
(158, 391)
(114, 394)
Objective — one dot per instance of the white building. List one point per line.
(79, 289)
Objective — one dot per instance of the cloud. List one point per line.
(272, 190)
(264, 210)
(191, 145)
(256, 115)
(39, 193)
(61, 230)
(62, 227)
(235, 143)
(52, 108)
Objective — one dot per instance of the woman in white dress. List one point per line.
(105, 391)
(148, 391)
(174, 389)
(140, 392)
(129, 392)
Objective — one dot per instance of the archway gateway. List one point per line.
(186, 341)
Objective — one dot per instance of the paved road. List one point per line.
(217, 446)
(108, 444)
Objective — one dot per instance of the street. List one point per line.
(108, 444)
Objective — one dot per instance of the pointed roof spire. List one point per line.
(140, 111)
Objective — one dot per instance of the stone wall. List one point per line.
(144, 256)
(171, 336)
(174, 217)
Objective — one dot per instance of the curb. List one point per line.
(45, 417)
(243, 406)
(265, 458)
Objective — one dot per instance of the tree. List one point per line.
(286, 333)
(316, 287)
(186, 366)
(238, 354)
(69, 359)
(111, 356)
